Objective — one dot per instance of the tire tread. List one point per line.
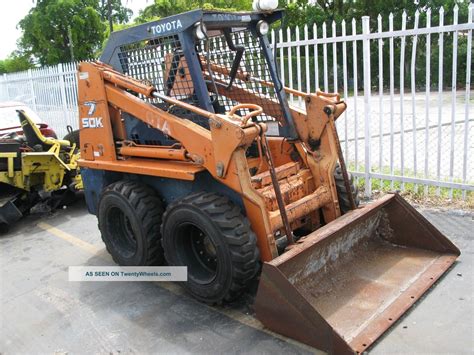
(236, 232)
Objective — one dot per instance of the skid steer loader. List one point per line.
(191, 155)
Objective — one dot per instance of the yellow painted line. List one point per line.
(91, 249)
(240, 317)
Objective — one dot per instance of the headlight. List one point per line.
(200, 31)
(264, 5)
(262, 27)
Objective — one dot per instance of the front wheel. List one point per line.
(208, 234)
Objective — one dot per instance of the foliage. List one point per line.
(47, 26)
(46, 37)
(304, 12)
(117, 27)
(164, 8)
(161, 8)
(14, 63)
(120, 13)
(301, 13)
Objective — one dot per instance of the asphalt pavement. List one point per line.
(42, 312)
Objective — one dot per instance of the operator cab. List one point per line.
(212, 60)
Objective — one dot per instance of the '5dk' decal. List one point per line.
(92, 122)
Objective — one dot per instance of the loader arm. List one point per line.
(120, 92)
(220, 150)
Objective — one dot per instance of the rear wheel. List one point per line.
(208, 234)
(343, 196)
(129, 221)
(4, 228)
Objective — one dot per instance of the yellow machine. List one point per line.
(32, 165)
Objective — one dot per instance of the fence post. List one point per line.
(366, 59)
(440, 97)
(32, 89)
(467, 97)
(63, 88)
(5, 88)
(453, 97)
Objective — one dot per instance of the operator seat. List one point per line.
(33, 135)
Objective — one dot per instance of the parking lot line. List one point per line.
(240, 317)
(91, 249)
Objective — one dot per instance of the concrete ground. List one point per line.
(41, 312)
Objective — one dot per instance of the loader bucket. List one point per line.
(345, 284)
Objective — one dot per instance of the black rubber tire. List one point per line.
(73, 137)
(4, 228)
(129, 217)
(344, 203)
(236, 257)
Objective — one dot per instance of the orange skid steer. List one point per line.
(192, 156)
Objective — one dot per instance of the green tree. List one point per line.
(51, 25)
(164, 8)
(301, 13)
(120, 14)
(114, 12)
(14, 63)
